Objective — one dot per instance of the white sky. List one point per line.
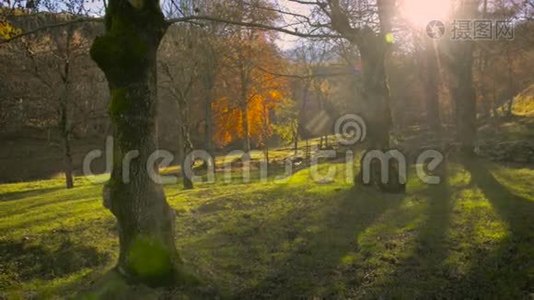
(287, 41)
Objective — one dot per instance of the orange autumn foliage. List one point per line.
(229, 117)
(257, 59)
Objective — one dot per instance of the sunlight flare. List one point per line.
(421, 12)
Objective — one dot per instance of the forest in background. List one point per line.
(350, 149)
(219, 80)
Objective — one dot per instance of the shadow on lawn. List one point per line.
(312, 269)
(18, 195)
(22, 260)
(508, 270)
(75, 196)
(421, 273)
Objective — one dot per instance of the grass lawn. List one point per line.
(470, 237)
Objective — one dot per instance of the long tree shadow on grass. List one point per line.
(73, 196)
(23, 260)
(19, 195)
(421, 273)
(312, 269)
(506, 272)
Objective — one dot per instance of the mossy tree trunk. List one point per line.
(126, 53)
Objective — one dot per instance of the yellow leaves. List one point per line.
(325, 87)
(7, 30)
(252, 89)
(229, 118)
(275, 95)
(228, 122)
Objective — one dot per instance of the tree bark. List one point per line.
(463, 93)
(187, 147)
(373, 48)
(126, 53)
(430, 76)
(376, 92)
(246, 128)
(65, 134)
(462, 86)
(64, 126)
(208, 114)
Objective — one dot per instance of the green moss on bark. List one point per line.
(151, 261)
(119, 102)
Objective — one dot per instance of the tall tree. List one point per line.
(126, 53)
(356, 22)
(180, 64)
(429, 74)
(53, 58)
(462, 87)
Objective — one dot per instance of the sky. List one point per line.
(286, 41)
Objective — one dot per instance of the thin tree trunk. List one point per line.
(295, 140)
(65, 134)
(187, 148)
(511, 83)
(126, 53)
(67, 159)
(64, 122)
(246, 130)
(208, 114)
(431, 81)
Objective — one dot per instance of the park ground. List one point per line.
(472, 236)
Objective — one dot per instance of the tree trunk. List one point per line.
(431, 79)
(463, 93)
(64, 128)
(246, 129)
(69, 180)
(208, 114)
(376, 92)
(462, 86)
(126, 53)
(373, 49)
(187, 147)
(295, 141)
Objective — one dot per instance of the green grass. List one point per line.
(524, 102)
(471, 237)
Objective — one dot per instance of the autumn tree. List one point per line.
(252, 91)
(250, 49)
